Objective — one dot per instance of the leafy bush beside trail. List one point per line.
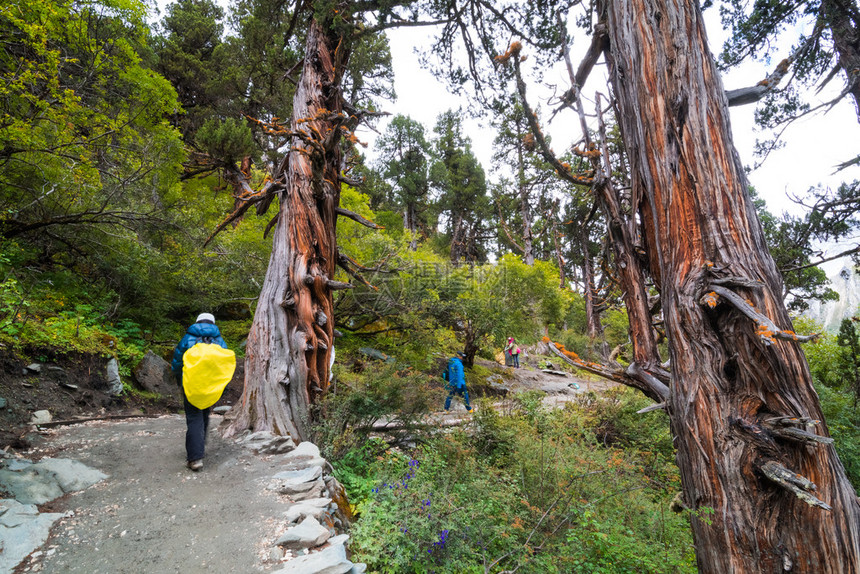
(533, 489)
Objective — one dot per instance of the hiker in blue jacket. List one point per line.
(196, 420)
(456, 377)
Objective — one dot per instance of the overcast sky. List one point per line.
(813, 145)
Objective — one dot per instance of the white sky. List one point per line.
(814, 145)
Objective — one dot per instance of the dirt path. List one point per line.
(152, 514)
(155, 516)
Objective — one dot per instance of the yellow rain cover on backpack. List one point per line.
(206, 370)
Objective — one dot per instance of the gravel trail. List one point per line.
(153, 515)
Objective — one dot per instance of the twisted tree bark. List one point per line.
(289, 346)
(781, 502)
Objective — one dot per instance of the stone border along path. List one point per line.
(260, 504)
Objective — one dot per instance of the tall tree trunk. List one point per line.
(525, 208)
(593, 326)
(412, 225)
(458, 238)
(562, 280)
(732, 378)
(844, 21)
(286, 367)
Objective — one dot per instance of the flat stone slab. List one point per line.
(331, 560)
(299, 476)
(309, 533)
(315, 507)
(264, 442)
(22, 530)
(305, 455)
(43, 481)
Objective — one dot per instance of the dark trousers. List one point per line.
(462, 392)
(197, 423)
(516, 360)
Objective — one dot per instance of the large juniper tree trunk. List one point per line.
(729, 379)
(286, 367)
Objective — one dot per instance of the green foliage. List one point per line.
(84, 138)
(60, 313)
(791, 242)
(834, 377)
(530, 489)
(404, 162)
(367, 394)
(460, 180)
(843, 422)
(848, 340)
(230, 139)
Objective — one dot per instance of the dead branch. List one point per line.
(766, 329)
(99, 418)
(799, 485)
(637, 378)
(357, 218)
(748, 95)
(654, 407)
(563, 169)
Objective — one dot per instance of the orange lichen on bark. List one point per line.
(765, 334)
(529, 141)
(513, 50)
(711, 299)
(592, 152)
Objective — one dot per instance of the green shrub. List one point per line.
(401, 396)
(530, 490)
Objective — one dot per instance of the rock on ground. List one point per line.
(308, 534)
(22, 529)
(41, 482)
(331, 560)
(154, 515)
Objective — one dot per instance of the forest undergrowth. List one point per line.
(585, 488)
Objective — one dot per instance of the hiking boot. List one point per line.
(195, 465)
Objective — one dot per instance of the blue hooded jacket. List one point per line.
(195, 333)
(454, 374)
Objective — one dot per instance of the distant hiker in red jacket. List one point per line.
(512, 351)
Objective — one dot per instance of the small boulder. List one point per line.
(264, 442)
(40, 418)
(153, 374)
(305, 455)
(307, 534)
(315, 507)
(114, 382)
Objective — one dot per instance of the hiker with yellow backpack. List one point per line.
(203, 366)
